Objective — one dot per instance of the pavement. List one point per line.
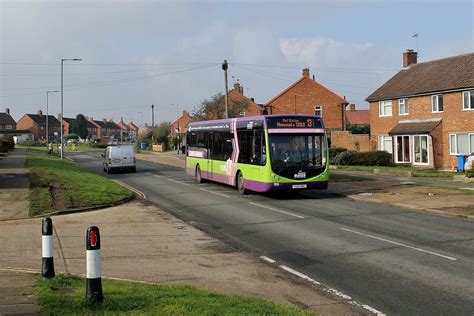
(384, 257)
(140, 242)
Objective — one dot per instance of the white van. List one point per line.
(119, 158)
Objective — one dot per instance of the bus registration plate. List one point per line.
(299, 186)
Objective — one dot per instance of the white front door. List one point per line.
(420, 149)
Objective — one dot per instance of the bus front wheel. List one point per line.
(240, 184)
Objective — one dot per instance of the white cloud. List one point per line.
(324, 51)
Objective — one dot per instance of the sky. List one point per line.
(169, 53)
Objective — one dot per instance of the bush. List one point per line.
(346, 158)
(34, 143)
(358, 129)
(470, 173)
(98, 145)
(333, 151)
(371, 158)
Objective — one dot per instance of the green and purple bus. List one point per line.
(260, 153)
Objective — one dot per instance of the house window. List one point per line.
(437, 103)
(420, 143)
(242, 114)
(8, 126)
(385, 108)
(403, 107)
(461, 144)
(318, 111)
(468, 100)
(403, 148)
(385, 143)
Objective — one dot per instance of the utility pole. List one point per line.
(153, 122)
(47, 115)
(225, 66)
(121, 130)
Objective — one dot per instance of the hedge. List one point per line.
(371, 158)
(333, 151)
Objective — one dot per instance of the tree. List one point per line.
(162, 133)
(79, 126)
(214, 108)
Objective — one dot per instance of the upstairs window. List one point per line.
(437, 103)
(9, 126)
(385, 108)
(468, 100)
(318, 111)
(403, 107)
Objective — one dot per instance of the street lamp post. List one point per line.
(47, 115)
(62, 105)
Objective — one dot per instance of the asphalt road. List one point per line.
(396, 261)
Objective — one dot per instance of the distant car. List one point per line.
(72, 141)
(113, 142)
(120, 157)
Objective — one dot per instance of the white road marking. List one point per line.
(400, 244)
(373, 310)
(155, 175)
(299, 274)
(265, 258)
(467, 188)
(277, 210)
(176, 181)
(217, 193)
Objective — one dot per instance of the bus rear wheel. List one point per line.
(199, 178)
(240, 184)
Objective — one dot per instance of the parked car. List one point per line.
(113, 142)
(120, 157)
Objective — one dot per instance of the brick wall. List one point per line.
(454, 120)
(345, 139)
(304, 95)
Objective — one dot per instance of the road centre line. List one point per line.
(217, 193)
(138, 192)
(176, 181)
(276, 210)
(400, 244)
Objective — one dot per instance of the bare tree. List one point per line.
(214, 108)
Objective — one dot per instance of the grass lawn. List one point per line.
(65, 295)
(71, 185)
(416, 172)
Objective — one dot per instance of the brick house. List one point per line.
(357, 117)
(424, 114)
(36, 123)
(133, 130)
(68, 123)
(6, 121)
(307, 96)
(237, 95)
(181, 124)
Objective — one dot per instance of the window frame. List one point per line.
(427, 149)
(405, 104)
(381, 144)
(320, 108)
(433, 97)
(469, 143)
(470, 106)
(410, 153)
(383, 105)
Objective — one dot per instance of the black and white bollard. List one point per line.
(94, 293)
(47, 269)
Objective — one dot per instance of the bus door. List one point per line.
(209, 155)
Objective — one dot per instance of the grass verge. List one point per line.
(338, 177)
(416, 172)
(59, 184)
(65, 295)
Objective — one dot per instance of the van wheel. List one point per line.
(108, 170)
(199, 178)
(240, 184)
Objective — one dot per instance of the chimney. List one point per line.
(252, 99)
(7, 110)
(105, 120)
(40, 113)
(352, 107)
(306, 72)
(59, 117)
(91, 119)
(313, 78)
(409, 58)
(239, 88)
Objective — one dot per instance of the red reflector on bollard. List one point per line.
(93, 237)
